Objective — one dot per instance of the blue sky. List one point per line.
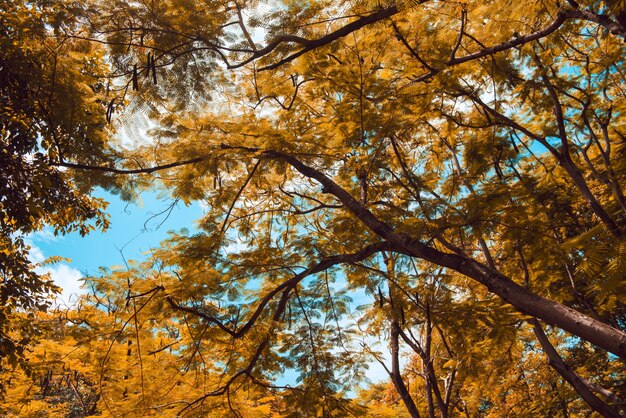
(133, 232)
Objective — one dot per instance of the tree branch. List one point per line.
(589, 329)
(323, 265)
(557, 363)
(114, 170)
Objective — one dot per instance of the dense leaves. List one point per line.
(51, 109)
(431, 187)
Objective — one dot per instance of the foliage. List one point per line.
(51, 109)
(457, 168)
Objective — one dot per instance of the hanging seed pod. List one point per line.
(148, 64)
(135, 82)
(109, 112)
(154, 78)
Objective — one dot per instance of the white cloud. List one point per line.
(35, 255)
(67, 278)
(63, 275)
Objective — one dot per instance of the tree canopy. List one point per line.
(51, 93)
(433, 186)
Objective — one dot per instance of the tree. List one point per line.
(482, 144)
(52, 106)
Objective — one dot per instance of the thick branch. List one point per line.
(561, 17)
(310, 45)
(589, 329)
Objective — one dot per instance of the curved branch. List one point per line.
(589, 329)
(310, 45)
(286, 288)
(561, 17)
(287, 285)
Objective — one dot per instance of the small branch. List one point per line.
(114, 170)
(139, 295)
(243, 27)
(165, 347)
(556, 105)
(411, 50)
(460, 37)
(557, 363)
(232, 205)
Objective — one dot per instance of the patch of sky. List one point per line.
(135, 229)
